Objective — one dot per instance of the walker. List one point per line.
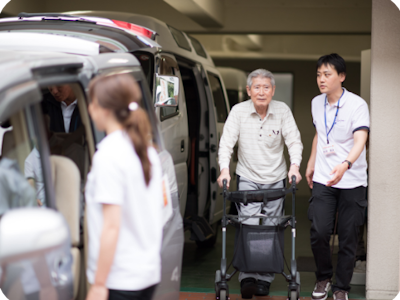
(258, 248)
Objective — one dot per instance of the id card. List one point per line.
(329, 150)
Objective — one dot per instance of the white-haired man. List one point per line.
(261, 126)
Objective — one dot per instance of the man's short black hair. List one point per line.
(334, 60)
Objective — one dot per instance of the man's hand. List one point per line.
(97, 292)
(337, 172)
(309, 176)
(294, 170)
(224, 175)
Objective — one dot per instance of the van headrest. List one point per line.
(8, 144)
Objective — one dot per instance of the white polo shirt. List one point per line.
(117, 178)
(352, 115)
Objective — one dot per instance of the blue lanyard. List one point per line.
(334, 121)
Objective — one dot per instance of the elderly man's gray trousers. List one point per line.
(273, 208)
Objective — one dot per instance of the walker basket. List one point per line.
(259, 249)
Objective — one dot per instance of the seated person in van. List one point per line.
(15, 191)
(33, 173)
(61, 106)
(64, 124)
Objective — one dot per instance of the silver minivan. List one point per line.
(42, 251)
(194, 127)
(191, 126)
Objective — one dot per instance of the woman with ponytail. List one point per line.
(123, 195)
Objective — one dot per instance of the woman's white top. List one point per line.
(117, 178)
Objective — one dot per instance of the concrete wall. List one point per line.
(304, 90)
(16, 6)
(384, 169)
(240, 16)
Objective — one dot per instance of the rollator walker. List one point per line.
(258, 248)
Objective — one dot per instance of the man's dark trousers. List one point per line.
(350, 204)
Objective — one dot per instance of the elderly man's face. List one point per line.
(261, 92)
(62, 93)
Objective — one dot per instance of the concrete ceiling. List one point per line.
(282, 29)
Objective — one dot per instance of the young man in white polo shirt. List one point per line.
(337, 174)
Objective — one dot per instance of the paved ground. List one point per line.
(210, 296)
(199, 265)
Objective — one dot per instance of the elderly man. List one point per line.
(261, 126)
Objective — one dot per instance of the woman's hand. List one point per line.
(97, 292)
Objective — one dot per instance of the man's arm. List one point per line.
(228, 140)
(292, 138)
(311, 161)
(360, 138)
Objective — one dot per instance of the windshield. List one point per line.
(112, 38)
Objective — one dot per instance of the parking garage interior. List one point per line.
(288, 36)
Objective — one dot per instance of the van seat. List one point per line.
(66, 181)
(76, 256)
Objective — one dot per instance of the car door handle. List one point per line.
(182, 145)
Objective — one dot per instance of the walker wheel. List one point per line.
(294, 295)
(222, 295)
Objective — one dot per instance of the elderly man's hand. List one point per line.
(224, 175)
(294, 170)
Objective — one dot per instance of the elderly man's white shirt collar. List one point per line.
(270, 109)
(342, 100)
(73, 103)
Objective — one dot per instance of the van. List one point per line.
(235, 83)
(191, 129)
(207, 108)
(64, 160)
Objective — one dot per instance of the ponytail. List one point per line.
(137, 126)
(121, 94)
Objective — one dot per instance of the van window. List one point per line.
(167, 67)
(147, 62)
(180, 38)
(198, 47)
(21, 176)
(219, 98)
(233, 96)
(99, 135)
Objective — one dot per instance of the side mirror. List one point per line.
(167, 91)
(35, 252)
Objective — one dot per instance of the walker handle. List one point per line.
(294, 181)
(224, 182)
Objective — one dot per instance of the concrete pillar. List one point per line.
(365, 89)
(384, 153)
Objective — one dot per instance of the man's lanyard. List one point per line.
(334, 121)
